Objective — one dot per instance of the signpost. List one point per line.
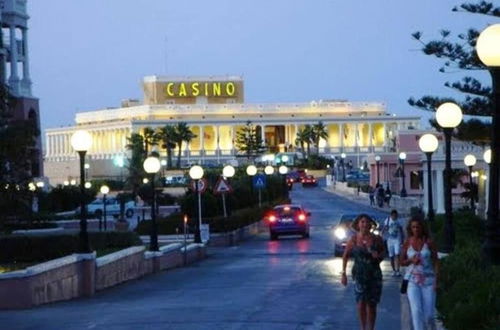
(222, 187)
(202, 185)
(259, 182)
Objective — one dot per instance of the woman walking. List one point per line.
(420, 255)
(367, 250)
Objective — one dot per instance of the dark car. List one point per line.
(288, 219)
(358, 177)
(343, 231)
(309, 181)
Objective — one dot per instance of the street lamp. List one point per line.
(251, 171)
(81, 141)
(342, 161)
(104, 191)
(196, 173)
(283, 170)
(487, 156)
(448, 116)
(470, 161)
(428, 143)
(402, 157)
(152, 166)
(377, 161)
(269, 170)
(228, 172)
(488, 50)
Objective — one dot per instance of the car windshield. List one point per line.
(287, 210)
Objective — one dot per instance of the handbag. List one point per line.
(404, 286)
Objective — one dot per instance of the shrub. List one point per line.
(468, 228)
(23, 248)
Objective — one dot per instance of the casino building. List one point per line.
(214, 108)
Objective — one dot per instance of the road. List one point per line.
(292, 283)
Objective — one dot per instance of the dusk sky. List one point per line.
(88, 55)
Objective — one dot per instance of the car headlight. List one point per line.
(376, 232)
(340, 233)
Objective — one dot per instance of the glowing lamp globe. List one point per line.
(342, 155)
(196, 172)
(449, 115)
(283, 169)
(104, 190)
(428, 143)
(151, 165)
(81, 140)
(377, 158)
(87, 185)
(284, 158)
(228, 171)
(470, 160)
(488, 46)
(251, 170)
(487, 156)
(269, 170)
(402, 155)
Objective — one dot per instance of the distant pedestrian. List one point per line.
(371, 192)
(387, 196)
(420, 255)
(392, 232)
(380, 196)
(367, 250)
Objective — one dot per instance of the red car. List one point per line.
(288, 219)
(309, 181)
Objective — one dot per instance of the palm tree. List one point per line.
(319, 131)
(135, 167)
(305, 137)
(150, 139)
(167, 135)
(183, 134)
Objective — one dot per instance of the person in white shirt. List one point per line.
(393, 232)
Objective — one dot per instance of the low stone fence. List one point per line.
(235, 236)
(81, 275)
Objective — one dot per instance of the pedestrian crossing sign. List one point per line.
(259, 181)
(222, 186)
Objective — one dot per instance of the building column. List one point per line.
(217, 139)
(263, 133)
(26, 82)
(47, 146)
(202, 141)
(439, 191)
(341, 133)
(14, 77)
(232, 139)
(370, 133)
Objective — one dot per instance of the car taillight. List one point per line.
(302, 217)
(314, 180)
(272, 218)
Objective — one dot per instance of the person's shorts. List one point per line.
(393, 247)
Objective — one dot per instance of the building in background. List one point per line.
(214, 108)
(15, 71)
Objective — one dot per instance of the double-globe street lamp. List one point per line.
(402, 157)
(104, 191)
(81, 141)
(488, 50)
(377, 161)
(470, 161)
(152, 166)
(448, 116)
(428, 143)
(196, 173)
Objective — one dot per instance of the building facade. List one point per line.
(215, 110)
(15, 70)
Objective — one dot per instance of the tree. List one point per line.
(248, 142)
(135, 164)
(305, 136)
(182, 134)
(460, 54)
(150, 139)
(318, 131)
(168, 137)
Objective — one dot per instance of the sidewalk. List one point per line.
(360, 199)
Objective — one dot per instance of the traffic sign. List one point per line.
(202, 185)
(259, 181)
(222, 186)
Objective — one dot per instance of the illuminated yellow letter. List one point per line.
(195, 90)
(170, 92)
(216, 89)
(182, 90)
(206, 89)
(230, 88)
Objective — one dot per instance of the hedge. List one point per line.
(22, 248)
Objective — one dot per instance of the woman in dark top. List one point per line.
(367, 250)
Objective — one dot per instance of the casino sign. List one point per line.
(198, 88)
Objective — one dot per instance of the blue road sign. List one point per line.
(259, 181)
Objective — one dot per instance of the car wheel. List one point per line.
(98, 213)
(129, 213)
(273, 236)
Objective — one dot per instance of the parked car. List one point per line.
(309, 181)
(96, 207)
(357, 177)
(343, 231)
(175, 179)
(288, 219)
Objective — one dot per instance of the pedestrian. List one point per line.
(388, 195)
(392, 231)
(367, 250)
(380, 196)
(420, 255)
(371, 192)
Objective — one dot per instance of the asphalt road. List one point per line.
(292, 283)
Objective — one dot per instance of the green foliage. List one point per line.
(316, 162)
(305, 137)
(319, 131)
(16, 248)
(248, 142)
(65, 198)
(468, 228)
(182, 134)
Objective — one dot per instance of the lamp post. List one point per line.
(152, 166)
(227, 172)
(448, 116)
(488, 50)
(81, 141)
(104, 191)
(428, 143)
(283, 170)
(402, 157)
(196, 173)
(342, 162)
(377, 161)
(470, 161)
(251, 171)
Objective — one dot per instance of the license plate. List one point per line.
(287, 220)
